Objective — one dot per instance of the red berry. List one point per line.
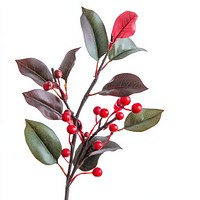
(97, 145)
(66, 117)
(86, 134)
(118, 102)
(65, 152)
(96, 110)
(104, 112)
(97, 172)
(68, 111)
(136, 108)
(58, 73)
(113, 127)
(119, 115)
(71, 129)
(125, 100)
(116, 107)
(48, 85)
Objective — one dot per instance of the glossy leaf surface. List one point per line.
(47, 103)
(123, 48)
(68, 63)
(90, 161)
(142, 121)
(34, 69)
(124, 25)
(123, 84)
(42, 142)
(94, 33)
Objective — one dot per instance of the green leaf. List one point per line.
(34, 69)
(91, 156)
(142, 121)
(42, 142)
(90, 162)
(94, 33)
(110, 146)
(122, 48)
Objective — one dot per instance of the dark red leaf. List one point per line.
(123, 84)
(124, 25)
(47, 103)
(68, 63)
(34, 69)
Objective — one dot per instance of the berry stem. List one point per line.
(80, 136)
(79, 175)
(66, 160)
(106, 64)
(127, 109)
(108, 139)
(102, 127)
(57, 93)
(97, 122)
(100, 123)
(120, 129)
(110, 116)
(58, 82)
(62, 169)
(54, 78)
(69, 139)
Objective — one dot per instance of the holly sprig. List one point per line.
(52, 100)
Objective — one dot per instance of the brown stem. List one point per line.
(83, 101)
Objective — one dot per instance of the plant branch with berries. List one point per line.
(52, 100)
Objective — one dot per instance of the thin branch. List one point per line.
(75, 118)
(62, 169)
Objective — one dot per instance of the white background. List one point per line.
(160, 164)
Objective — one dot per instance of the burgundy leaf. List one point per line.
(47, 103)
(123, 84)
(34, 69)
(68, 63)
(124, 25)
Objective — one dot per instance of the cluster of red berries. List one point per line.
(120, 104)
(49, 85)
(103, 113)
(125, 101)
(66, 117)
